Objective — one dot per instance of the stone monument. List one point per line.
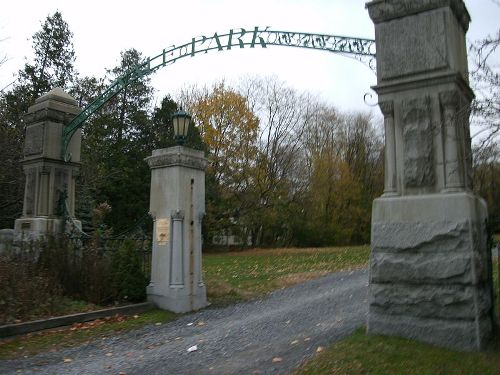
(50, 181)
(177, 205)
(429, 278)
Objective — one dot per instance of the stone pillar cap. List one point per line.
(57, 94)
(385, 10)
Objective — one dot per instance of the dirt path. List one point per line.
(269, 336)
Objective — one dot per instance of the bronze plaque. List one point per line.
(162, 231)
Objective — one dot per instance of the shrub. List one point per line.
(27, 289)
(129, 282)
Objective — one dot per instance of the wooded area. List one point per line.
(286, 168)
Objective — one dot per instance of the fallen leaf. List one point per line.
(320, 349)
(200, 323)
(157, 324)
(277, 359)
(67, 360)
(135, 316)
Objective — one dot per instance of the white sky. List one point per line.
(104, 28)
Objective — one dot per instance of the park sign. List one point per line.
(241, 38)
(261, 37)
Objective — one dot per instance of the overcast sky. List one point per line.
(104, 28)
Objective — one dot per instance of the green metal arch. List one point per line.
(358, 48)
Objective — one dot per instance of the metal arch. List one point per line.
(359, 48)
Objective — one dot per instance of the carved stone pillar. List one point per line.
(429, 274)
(48, 177)
(177, 205)
(390, 187)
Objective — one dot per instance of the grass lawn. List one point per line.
(236, 276)
(377, 355)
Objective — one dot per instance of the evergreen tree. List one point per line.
(113, 149)
(54, 56)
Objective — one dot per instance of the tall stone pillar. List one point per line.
(177, 204)
(49, 179)
(429, 278)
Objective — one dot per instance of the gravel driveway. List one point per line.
(273, 335)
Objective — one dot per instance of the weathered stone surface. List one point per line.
(421, 268)
(177, 156)
(34, 139)
(417, 143)
(429, 260)
(456, 334)
(412, 46)
(447, 236)
(385, 10)
(430, 301)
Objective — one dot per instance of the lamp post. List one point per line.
(180, 121)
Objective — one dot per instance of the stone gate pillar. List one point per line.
(428, 268)
(177, 204)
(49, 180)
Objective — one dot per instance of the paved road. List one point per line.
(268, 336)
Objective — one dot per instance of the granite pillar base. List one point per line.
(429, 270)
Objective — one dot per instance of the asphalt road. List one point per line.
(273, 335)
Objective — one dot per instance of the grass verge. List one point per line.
(236, 276)
(78, 333)
(378, 355)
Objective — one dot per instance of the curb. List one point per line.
(39, 325)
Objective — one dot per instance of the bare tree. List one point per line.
(3, 60)
(485, 80)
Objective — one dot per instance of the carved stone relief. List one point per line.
(60, 187)
(30, 191)
(418, 143)
(177, 159)
(453, 141)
